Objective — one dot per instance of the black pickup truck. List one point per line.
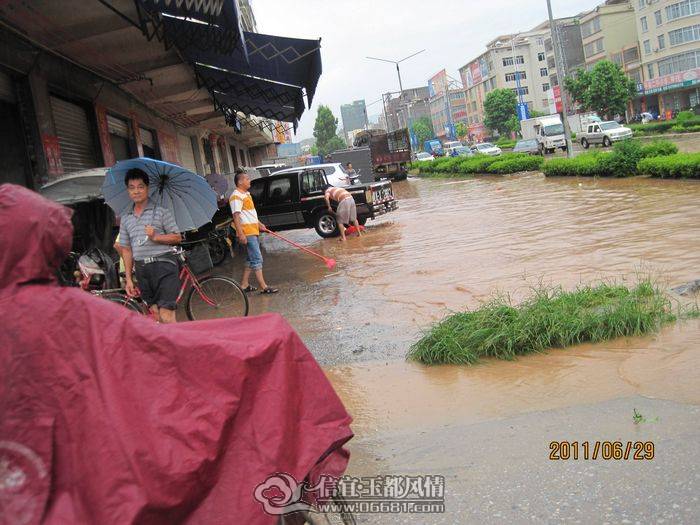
(295, 199)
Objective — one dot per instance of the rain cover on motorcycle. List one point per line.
(107, 417)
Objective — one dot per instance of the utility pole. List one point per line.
(398, 73)
(561, 72)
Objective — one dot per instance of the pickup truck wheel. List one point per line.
(541, 149)
(362, 221)
(606, 142)
(584, 143)
(326, 225)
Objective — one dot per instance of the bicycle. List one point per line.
(212, 297)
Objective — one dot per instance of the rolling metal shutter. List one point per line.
(73, 131)
(186, 153)
(118, 126)
(7, 91)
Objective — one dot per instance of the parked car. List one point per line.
(461, 151)
(335, 172)
(604, 133)
(266, 169)
(530, 146)
(486, 148)
(424, 156)
(294, 199)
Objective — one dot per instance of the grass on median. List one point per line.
(550, 318)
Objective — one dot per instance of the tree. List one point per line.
(423, 129)
(325, 131)
(335, 144)
(461, 129)
(605, 89)
(499, 109)
(534, 114)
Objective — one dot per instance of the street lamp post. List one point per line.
(560, 79)
(398, 73)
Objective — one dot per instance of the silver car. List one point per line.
(604, 133)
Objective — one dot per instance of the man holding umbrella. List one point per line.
(145, 233)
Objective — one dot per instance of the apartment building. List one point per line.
(521, 54)
(444, 127)
(609, 32)
(669, 40)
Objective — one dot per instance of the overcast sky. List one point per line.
(452, 32)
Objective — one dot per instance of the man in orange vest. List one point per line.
(346, 211)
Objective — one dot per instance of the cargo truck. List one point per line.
(377, 155)
(547, 130)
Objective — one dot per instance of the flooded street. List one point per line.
(487, 429)
(454, 243)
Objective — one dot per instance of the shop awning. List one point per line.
(205, 25)
(259, 94)
(275, 111)
(292, 61)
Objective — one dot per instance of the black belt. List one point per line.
(158, 258)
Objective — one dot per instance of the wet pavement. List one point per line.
(487, 429)
(454, 243)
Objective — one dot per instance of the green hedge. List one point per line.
(458, 166)
(506, 143)
(687, 123)
(621, 162)
(683, 165)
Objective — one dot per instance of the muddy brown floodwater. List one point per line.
(487, 428)
(454, 243)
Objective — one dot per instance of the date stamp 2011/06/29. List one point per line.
(606, 450)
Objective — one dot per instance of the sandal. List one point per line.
(249, 289)
(269, 290)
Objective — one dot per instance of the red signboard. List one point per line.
(476, 72)
(169, 149)
(52, 152)
(105, 142)
(673, 81)
(557, 99)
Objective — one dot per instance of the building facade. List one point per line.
(401, 109)
(353, 116)
(568, 31)
(669, 41)
(517, 62)
(444, 125)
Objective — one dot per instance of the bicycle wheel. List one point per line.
(216, 297)
(124, 300)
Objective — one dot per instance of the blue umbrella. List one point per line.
(187, 195)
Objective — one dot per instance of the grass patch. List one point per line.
(549, 318)
(478, 164)
(679, 166)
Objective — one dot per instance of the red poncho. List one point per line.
(107, 417)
